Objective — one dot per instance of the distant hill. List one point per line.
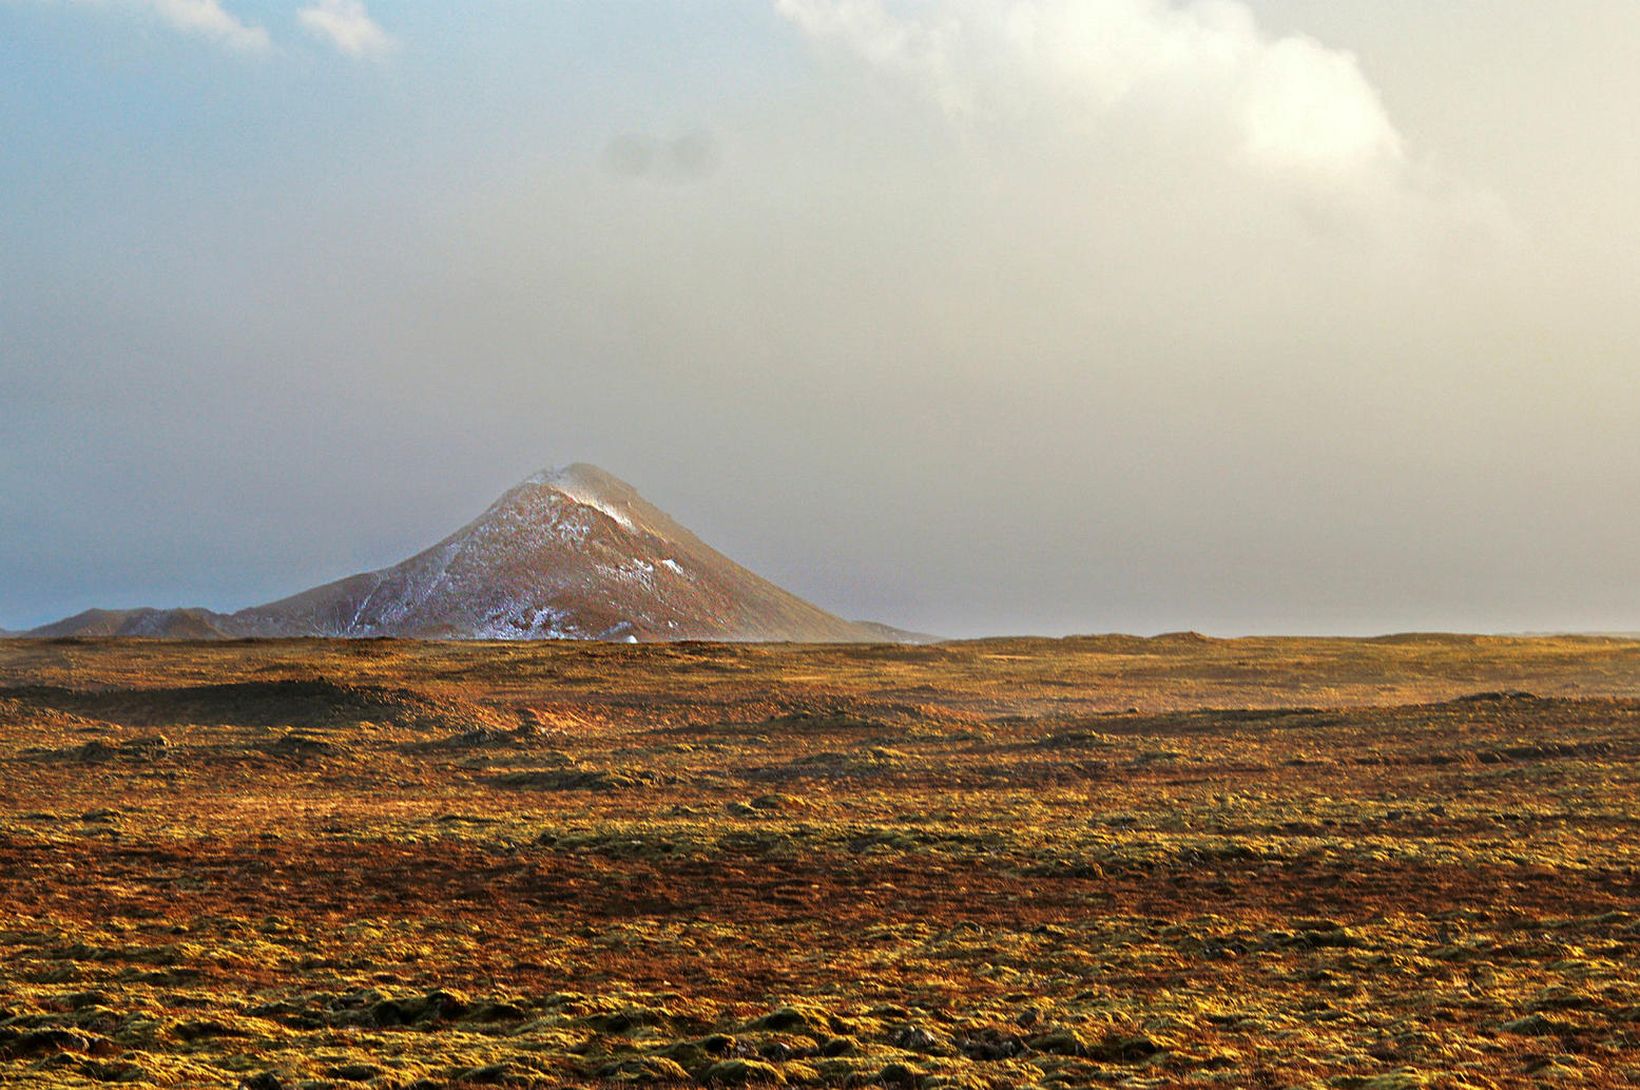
(574, 553)
(187, 624)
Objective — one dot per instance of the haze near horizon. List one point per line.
(969, 318)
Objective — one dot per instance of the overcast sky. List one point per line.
(970, 316)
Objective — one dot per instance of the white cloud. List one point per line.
(203, 18)
(1286, 104)
(346, 25)
(208, 19)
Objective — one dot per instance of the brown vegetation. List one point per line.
(1092, 862)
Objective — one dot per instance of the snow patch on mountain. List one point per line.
(575, 482)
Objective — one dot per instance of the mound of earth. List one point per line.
(314, 702)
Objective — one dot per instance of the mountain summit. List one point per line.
(572, 553)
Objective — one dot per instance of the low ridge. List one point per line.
(182, 624)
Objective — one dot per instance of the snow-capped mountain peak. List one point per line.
(572, 552)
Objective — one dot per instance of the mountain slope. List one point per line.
(574, 553)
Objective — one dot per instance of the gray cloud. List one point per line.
(683, 158)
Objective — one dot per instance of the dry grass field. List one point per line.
(1371, 865)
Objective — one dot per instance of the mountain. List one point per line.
(573, 553)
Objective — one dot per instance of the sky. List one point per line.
(970, 316)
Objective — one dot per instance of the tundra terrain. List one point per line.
(1105, 861)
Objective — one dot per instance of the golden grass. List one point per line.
(1092, 862)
